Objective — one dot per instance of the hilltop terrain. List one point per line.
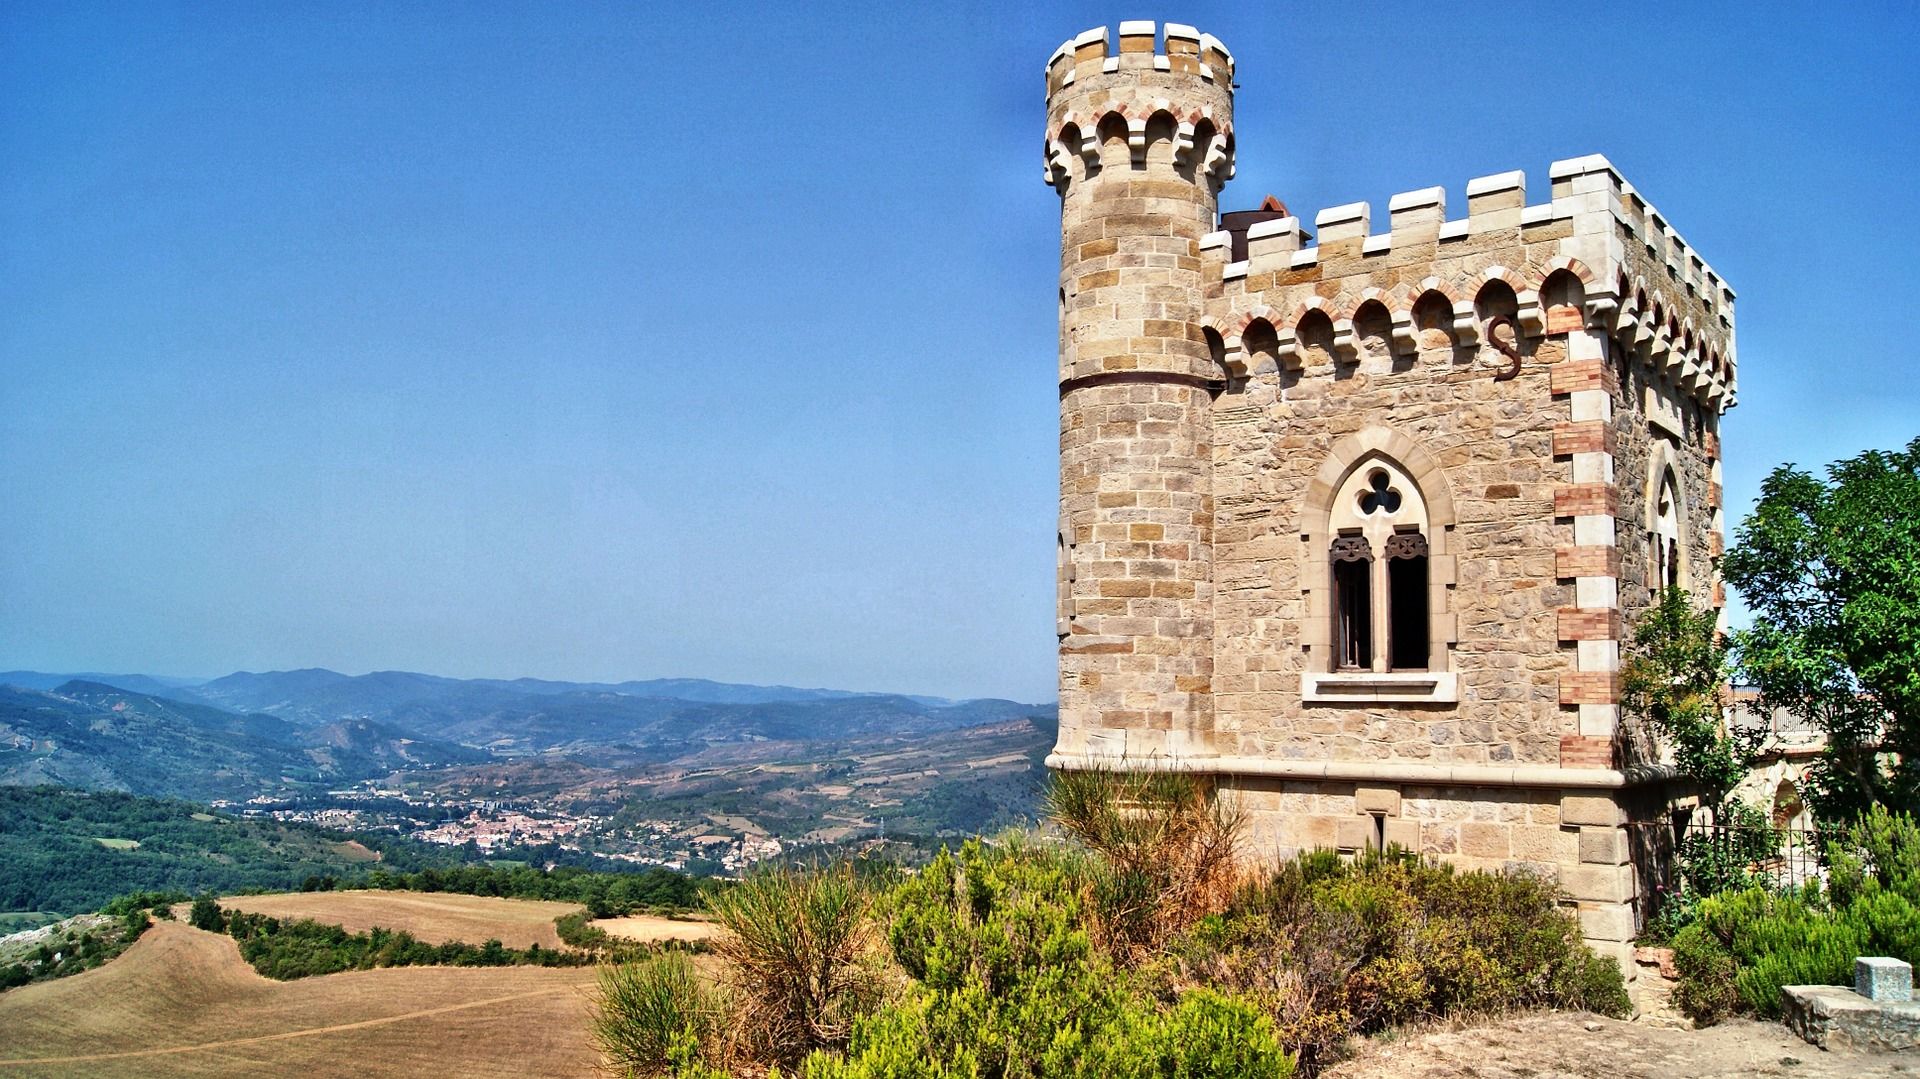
(183, 1002)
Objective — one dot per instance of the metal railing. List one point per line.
(1727, 856)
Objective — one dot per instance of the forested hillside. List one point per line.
(67, 851)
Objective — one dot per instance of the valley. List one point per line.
(281, 776)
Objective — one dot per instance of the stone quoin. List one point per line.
(1353, 522)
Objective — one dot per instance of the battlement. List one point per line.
(1177, 88)
(1140, 47)
(1636, 277)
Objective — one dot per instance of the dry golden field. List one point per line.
(651, 927)
(182, 1002)
(435, 917)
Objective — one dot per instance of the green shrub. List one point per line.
(1878, 852)
(1167, 852)
(653, 1015)
(1891, 922)
(1015, 960)
(1208, 1034)
(206, 914)
(1706, 992)
(1758, 941)
(1333, 950)
(1010, 984)
(1777, 940)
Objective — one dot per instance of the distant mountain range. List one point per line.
(249, 733)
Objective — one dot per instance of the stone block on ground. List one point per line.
(1835, 1017)
(1883, 979)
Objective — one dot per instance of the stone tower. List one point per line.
(1355, 524)
(1140, 141)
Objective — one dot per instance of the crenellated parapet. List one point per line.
(1183, 51)
(1596, 255)
(1175, 88)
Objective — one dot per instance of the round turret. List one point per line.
(1139, 142)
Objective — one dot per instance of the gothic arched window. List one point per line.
(1378, 553)
(1663, 538)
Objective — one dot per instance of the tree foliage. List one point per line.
(1675, 679)
(53, 859)
(1831, 571)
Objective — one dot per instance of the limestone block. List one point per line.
(1482, 840)
(1355, 833)
(1598, 883)
(1603, 846)
(1404, 834)
(1606, 921)
(1620, 951)
(1883, 979)
(1377, 800)
(1316, 832)
(1535, 843)
(1591, 809)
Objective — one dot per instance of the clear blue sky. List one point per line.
(602, 341)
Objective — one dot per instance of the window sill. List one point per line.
(1367, 687)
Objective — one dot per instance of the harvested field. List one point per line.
(183, 1003)
(650, 927)
(435, 917)
(1576, 1046)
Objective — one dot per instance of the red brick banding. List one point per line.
(1590, 687)
(1585, 751)
(1571, 375)
(1585, 499)
(1569, 562)
(1583, 436)
(1589, 624)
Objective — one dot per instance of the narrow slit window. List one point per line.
(1407, 643)
(1352, 559)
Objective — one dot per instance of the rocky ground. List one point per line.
(1579, 1046)
(15, 947)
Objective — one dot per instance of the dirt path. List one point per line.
(336, 1028)
(1577, 1046)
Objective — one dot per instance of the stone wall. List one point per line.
(1581, 838)
(1491, 443)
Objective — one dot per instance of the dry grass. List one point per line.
(1169, 851)
(648, 927)
(182, 1003)
(434, 917)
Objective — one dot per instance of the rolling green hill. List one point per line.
(70, 851)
